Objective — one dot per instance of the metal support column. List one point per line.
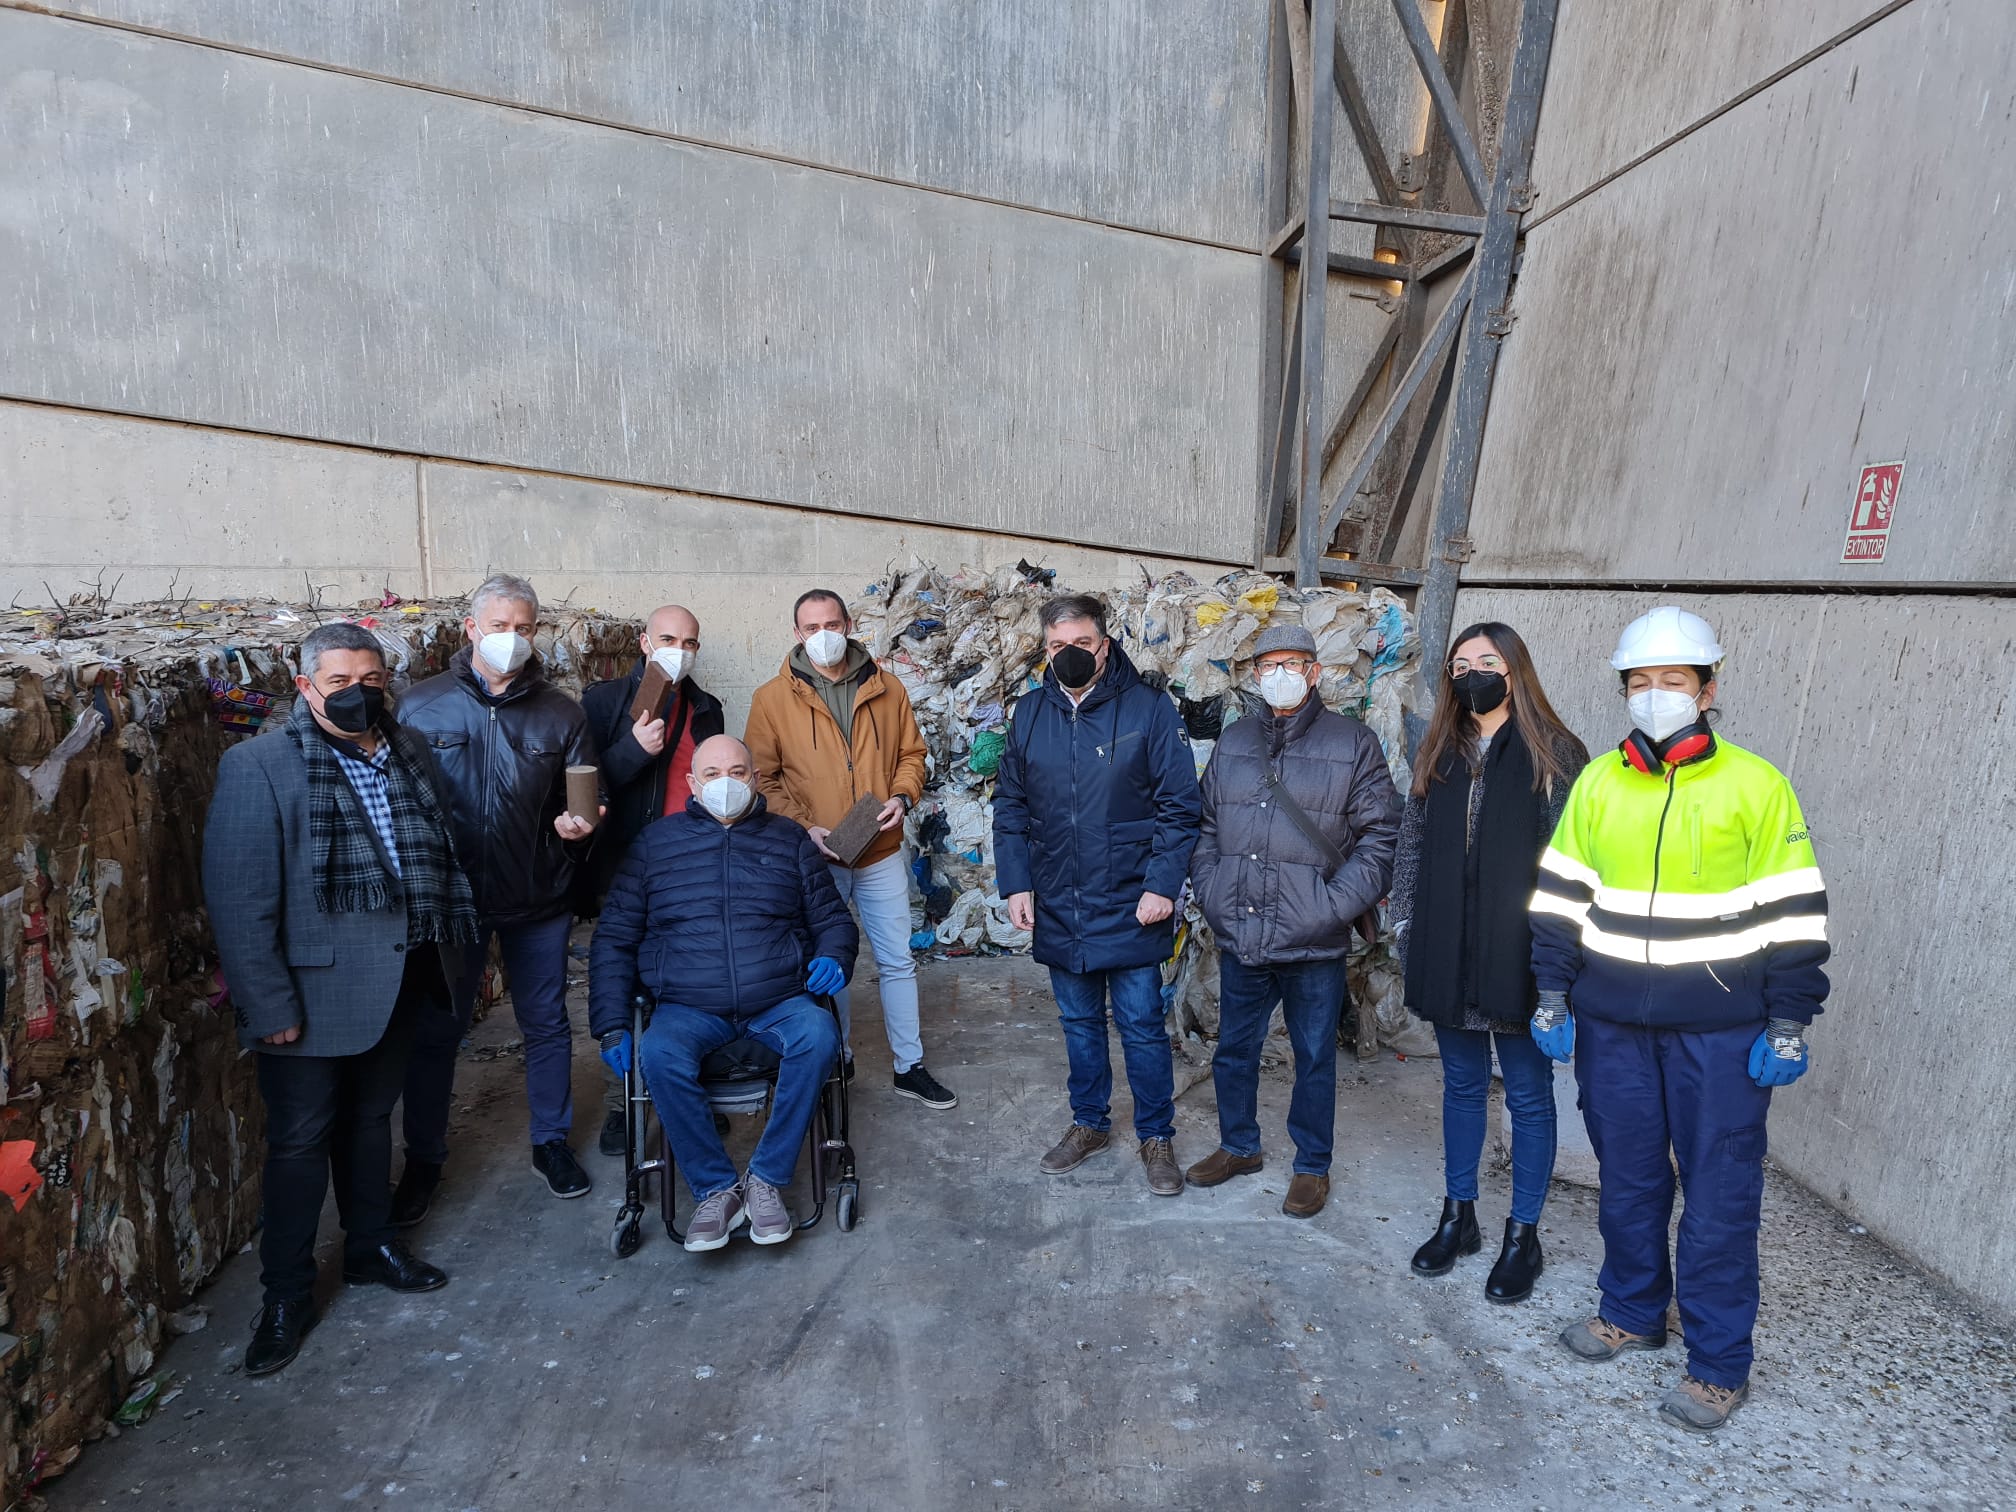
(1487, 324)
(1315, 287)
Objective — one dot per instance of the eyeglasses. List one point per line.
(1302, 666)
(1494, 664)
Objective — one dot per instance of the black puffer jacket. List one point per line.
(633, 780)
(1259, 879)
(720, 917)
(504, 763)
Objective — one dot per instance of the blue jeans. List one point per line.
(1311, 995)
(1529, 1103)
(535, 957)
(1650, 1097)
(679, 1039)
(1136, 993)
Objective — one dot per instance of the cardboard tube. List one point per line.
(583, 792)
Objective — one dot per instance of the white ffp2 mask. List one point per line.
(1282, 688)
(675, 661)
(726, 797)
(826, 647)
(1659, 712)
(504, 651)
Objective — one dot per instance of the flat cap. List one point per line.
(1284, 638)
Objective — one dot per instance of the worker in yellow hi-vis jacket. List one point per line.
(1679, 930)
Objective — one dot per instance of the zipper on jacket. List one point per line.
(489, 783)
(728, 916)
(1694, 833)
(1652, 904)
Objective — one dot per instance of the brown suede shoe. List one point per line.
(1221, 1166)
(1165, 1177)
(1306, 1195)
(1071, 1151)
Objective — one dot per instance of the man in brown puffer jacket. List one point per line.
(830, 728)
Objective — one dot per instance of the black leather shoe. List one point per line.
(615, 1133)
(1519, 1264)
(393, 1266)
(555, 1162)
(1455, 1237)
(415, 1193)
(277, 1334)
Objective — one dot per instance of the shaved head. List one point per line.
(671, 625)
(721, 753)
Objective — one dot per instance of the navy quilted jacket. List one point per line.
(720, 917)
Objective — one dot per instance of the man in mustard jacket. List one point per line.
(829, 729)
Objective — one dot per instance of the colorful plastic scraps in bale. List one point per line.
(130, 1127)
(967, 645)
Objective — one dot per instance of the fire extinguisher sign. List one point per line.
(1870, 515)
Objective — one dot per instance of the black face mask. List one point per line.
(354, 709)
(1481, 692)
(1075, 667)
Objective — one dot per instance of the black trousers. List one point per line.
(333, 1114)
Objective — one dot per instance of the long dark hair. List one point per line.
(1454, 728)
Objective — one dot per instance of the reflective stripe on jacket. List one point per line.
(1688, 901)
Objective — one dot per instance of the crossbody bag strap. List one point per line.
(1299, 816)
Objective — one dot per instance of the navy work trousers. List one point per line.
(1651, 1097)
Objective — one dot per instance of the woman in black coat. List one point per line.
(1490, 781)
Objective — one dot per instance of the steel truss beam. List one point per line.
(1458, 350)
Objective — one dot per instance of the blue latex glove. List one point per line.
(824, 977)
(1779, 1057)
(616, 1052)
(1554, 1027)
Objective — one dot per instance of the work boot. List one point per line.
(925, 1088)
(1165, 1177)
(715, 1219)
(615, 1132)
(769, 1220)
(1221, 1166)
(277, 1334)
(393, 1266)
(414, 1195)
(1599, 1339)
(1306, 1195)
(1071, 1151)
(1519, 1264)
(1455, 1236)
(1700, 1407)
(555, 1161)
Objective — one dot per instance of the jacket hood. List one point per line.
(798, 665)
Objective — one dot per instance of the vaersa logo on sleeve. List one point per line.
(1870, 515)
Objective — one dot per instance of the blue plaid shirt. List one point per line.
(367, 775)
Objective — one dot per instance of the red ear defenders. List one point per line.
(1652, 757)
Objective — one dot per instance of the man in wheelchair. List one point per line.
(727, 916)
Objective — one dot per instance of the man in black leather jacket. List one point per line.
(504, 737)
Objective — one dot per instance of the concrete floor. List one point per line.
(991, 1338)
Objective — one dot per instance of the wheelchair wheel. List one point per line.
(627, 1235)
(847, 1205)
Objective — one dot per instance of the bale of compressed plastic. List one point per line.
(130, 1125)
(968, 644)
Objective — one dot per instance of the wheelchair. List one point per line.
(740, 1077)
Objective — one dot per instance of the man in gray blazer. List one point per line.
(339, 910)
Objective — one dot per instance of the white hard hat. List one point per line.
(1667, 637)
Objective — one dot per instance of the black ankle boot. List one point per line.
(1519, 1264)
(1455, 1237)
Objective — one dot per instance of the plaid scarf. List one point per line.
(351, 875)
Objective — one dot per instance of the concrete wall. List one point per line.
(221, 514)
(1709, 347)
